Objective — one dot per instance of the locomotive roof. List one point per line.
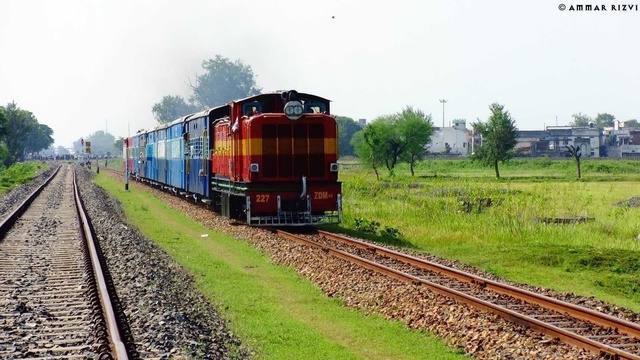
(279, 92)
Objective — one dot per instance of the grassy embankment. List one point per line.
(273, 309)
(442, 210)
(18, 174)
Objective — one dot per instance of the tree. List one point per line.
(118, 145)
(378, 143)
(222, 82)
(20, 126)
(61, 150)
(41, 138)
(604, 120)
(416, 128)
(498, 136)
(575, 152)
(580, 119)
(347, 127)
(633, 123)
(171, 108)
(3, 123)
(3, 131)
(390, 139)
(365, 149)
(101, 143)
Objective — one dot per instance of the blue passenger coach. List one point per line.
(175, 154)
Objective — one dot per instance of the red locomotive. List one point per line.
(269, 159)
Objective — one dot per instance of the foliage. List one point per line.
(575, 152)
(171, 108)
(102, 143)
(41, 138)
(604, 120)
(390, 139)
(19, 174)
(581, 119)
(117, 145)
(22, 133)
(61, 150)
(347, 127)
(373, 227)
(498, 136)
(633, 123)
(3, 122)
(371, 144)
(3, 131)
(222, 82)
(417, 129)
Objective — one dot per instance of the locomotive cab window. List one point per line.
(251, 109)
(314, 107)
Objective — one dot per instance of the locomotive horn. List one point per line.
(293, 95)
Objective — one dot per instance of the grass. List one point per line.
(19, 174)
(278, 313)
(443, 210)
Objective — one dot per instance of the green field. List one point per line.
(455, 209)
(459, 210)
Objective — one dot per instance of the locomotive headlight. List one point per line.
(254, 167)
(333, 167)
(293, 110)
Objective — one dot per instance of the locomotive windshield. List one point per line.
(314, 107)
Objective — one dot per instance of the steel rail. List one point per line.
(598, 318)
(8, 221)
(119, 348)
(566, 336)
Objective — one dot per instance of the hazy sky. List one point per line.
(82, 66)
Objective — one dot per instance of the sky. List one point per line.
(82, 66)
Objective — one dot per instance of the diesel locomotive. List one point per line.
(268, 159)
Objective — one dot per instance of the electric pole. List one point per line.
(443, 101)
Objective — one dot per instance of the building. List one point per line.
(450, 140)
(622, 141)
(554, 141)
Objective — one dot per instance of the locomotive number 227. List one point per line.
(262, 198)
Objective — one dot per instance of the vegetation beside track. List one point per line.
(458, 210)
(19, 173)
(276, 311)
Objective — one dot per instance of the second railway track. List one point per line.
(49, 303)
(607, 336)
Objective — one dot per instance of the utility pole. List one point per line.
(443, 101)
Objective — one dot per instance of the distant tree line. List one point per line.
(223, 80)
(600, 121)
(383, 143)
(390, 139)
(20, 134)
(404, 137)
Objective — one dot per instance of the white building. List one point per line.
(450, 140)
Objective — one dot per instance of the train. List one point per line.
(267, 160)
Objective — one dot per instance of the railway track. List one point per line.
(602, 334)
(53, 297)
